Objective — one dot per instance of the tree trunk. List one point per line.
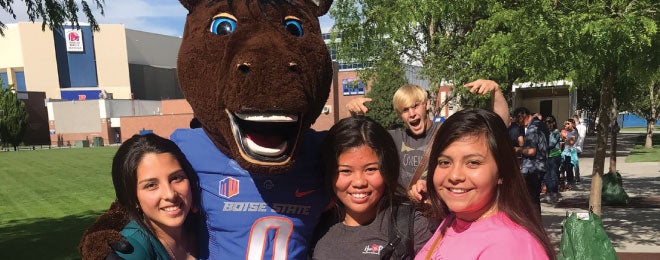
(652, 118)
(601, 139)
(648, 143)
(614, 126)
(613, 152)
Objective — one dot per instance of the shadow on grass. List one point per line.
(642, 138)
(625, 143)
(44, 238)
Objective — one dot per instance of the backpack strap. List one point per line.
(424, 163)
(400, 233)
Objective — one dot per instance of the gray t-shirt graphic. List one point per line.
(411, 150)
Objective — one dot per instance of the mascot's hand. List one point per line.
(103, 238)
(122, 246)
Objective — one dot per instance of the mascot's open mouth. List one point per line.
(265, 137)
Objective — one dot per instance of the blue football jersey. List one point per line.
(255, 216)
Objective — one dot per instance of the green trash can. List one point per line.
(98, 141)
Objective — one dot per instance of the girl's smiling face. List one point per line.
(359, 185)
(466, 177)
(163, 191)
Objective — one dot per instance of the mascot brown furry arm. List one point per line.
(257, 75)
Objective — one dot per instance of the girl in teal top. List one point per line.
(158, 188)
(145, 245)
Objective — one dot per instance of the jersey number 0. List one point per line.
(283, 228)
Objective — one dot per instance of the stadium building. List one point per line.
(85, 81)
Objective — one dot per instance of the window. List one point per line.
(352, 87)
(5, 80)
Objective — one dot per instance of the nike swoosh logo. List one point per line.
(300, 194)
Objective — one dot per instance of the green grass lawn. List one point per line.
(639, 129)
(640, 154)
(49, 197)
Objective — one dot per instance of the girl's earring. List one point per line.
(499, 181)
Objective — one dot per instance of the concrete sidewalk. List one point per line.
(633, 229)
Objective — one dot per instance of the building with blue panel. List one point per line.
(78, 64)
(81, 64)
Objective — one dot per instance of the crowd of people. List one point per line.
(548, 152)
(475, 184)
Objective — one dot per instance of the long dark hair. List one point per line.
(551, 119)
(513, 198)
(124, 174)
(353, 132)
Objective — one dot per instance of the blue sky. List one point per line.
(156, 16)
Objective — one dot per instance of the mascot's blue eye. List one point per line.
(223, 25)
(293, 27)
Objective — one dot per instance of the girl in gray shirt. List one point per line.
(361, 167)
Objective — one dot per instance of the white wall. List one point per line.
(10, 48)
(75, 116)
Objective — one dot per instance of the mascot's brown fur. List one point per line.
(105, 230)
(252, 82)
(256, 85)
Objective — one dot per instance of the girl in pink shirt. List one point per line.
(475, 184)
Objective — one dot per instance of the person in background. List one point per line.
(516, 133)
(476, 186)
(569, 154)
(534, 154)
(544, 128)
(554, 160)
(582, 133)
(412, 104)
(158, 189)
(361, 167)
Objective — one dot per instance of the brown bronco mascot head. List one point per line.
(257, 74)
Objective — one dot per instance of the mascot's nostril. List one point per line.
(244, 68)
(294, 67)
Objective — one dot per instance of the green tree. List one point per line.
(426, 33)
(13, 118)
(602, 38)
(644, 75)
(649, 109)
(53, 13)
(453, 41)
(386, 82)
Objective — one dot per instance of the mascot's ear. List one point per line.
(189, 4)
(322, 6)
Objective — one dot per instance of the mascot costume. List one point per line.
(257, 74)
